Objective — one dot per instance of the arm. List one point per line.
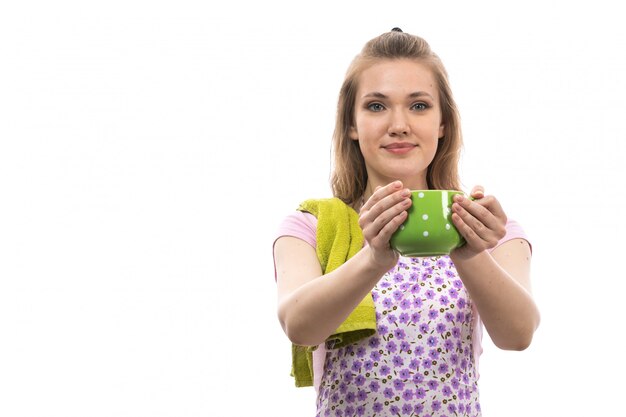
(309, 308)
(498, 282)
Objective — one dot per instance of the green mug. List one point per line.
(428, 229)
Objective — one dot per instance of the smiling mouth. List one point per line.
(399, 148)
(393, 146)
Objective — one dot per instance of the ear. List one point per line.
(442, 129)
(353, 133)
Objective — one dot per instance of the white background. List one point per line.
(148, 151)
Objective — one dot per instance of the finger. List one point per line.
(468, 225)
(478, 192)
(487, 211)
(493, 216)
(478, 222)
(390, 207)
(382, 238)
(493, 205)
(375, 219)
(470, 236)
(380, 193)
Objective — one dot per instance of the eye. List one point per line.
(375, 107)
(419, 106)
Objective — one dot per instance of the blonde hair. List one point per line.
(349, 177)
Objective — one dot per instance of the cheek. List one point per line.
(363, 130)
(373, 128)
(428, 131)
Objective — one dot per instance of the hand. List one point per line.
(380, 217)
(481, 222)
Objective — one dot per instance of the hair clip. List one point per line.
(396, 30)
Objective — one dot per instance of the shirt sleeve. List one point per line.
(514, 231)
(300, 225)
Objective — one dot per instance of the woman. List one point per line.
(398, 130)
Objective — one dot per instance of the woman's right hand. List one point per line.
(380, 217)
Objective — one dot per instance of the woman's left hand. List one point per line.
(480, 221)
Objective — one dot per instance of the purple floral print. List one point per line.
(420, 362)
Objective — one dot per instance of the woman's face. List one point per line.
(397, 122)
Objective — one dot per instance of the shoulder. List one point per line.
(319, 206)
(299, 224)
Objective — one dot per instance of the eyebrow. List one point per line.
(415, 94)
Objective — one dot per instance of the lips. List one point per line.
(399, 147)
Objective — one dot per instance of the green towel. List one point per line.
(339, 237)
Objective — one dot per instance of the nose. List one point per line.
(398, 124)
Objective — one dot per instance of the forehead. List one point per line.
(397, 76)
